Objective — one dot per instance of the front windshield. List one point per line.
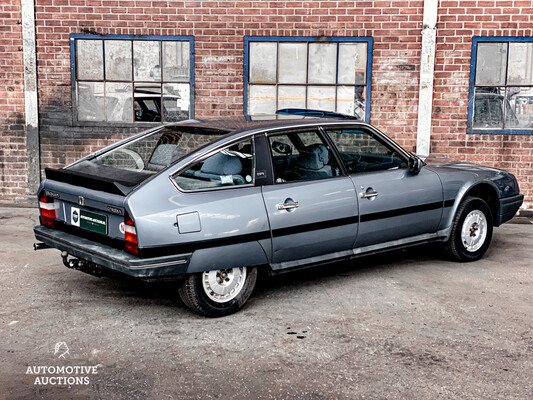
(158, 150)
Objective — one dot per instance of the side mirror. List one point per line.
(415, 164)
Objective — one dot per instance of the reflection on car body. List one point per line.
(208, 203)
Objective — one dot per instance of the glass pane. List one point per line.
(292, 62)
(362, 152)
(118, 60)
(90, 59)
(91, 101)
(176, 101)
(350, 100)
(261, 99)
(520, 64)
(491, 63)
(352, 63)
(321, 98)
(147, 102)
(322, 62)
(118, 102)
(146, 63)
(176, 61)
(488, 107)
(291, 97)
(519, 108)
(263, 62)
(232, 166)
(294, 162)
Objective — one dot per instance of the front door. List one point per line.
(312, 207)
(393, 203)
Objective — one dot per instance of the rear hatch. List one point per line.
(88, 197)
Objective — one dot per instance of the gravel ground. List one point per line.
(405, 325)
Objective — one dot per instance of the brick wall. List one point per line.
(219, 27)
(13, 156)
(458, 22)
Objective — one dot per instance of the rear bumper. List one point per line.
(114, 259)
(509, 207)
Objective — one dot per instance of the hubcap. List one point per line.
(474, 231)
(224, 285)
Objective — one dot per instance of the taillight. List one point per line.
(130, 235)
(48, 210)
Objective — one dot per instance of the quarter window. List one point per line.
(330, 75)
(230, 167)
(126, 79)
(363, 152)
(501, 85)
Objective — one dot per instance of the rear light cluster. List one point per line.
(47, 207)
(130, 235)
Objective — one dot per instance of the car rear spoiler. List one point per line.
(77, 178)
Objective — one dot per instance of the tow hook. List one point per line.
(81, 265)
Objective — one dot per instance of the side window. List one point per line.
(232, 166)
(301, 156)
(363, 152)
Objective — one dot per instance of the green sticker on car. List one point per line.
(93, 222)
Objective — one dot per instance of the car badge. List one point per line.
(81, 201)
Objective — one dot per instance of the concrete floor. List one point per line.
(406, 325)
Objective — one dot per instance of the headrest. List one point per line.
(222, 164)
(165, 154)
(314, 157)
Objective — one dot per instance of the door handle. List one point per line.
(368, 195)
(288, 206)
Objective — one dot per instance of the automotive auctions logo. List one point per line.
(62, 375)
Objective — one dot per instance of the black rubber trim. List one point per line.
(315, 226)
(158, 251)
(403, 211)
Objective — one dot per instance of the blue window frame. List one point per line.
(331, 74)
(500, 99)
(131, 79)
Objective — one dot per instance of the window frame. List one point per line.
(312, 39)
(73, 37)
(471, 88)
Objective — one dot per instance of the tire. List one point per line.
(205, 292)
(471, 231)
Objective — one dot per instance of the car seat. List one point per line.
(222, 165)
(312, 163)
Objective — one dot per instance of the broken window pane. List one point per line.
(118, 102)
(322, 63)
(350, 100)
(261, 99)
(519, 112)
(118, 60)
(520, 64)
(147, 102)
(90, 59)
(91, 101)
(489, 107)
(176, 100)
(352, 63)
(263, 62)
(176, 63)
(292, 63)
(146, 60)
(491, 63)
(291, 97)
(321, 98)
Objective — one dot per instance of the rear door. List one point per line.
(312, 207)
(393, 203)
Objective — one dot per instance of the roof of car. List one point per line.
(248, 123)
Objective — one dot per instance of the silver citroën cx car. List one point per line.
(208, 203)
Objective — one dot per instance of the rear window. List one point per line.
(156, 151)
